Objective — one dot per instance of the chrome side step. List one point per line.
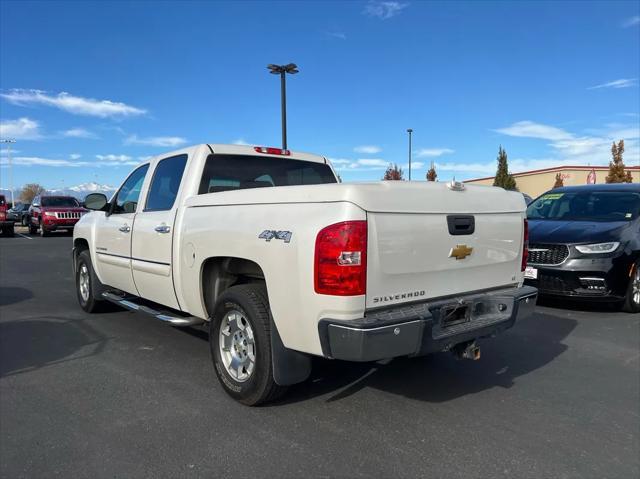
(130, 303)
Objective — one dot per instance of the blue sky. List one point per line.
(89, 89)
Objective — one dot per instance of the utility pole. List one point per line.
(282, 70)
(9, 141)
(409, 130)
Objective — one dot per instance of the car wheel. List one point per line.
(8, 230)
(632, 300)
(25, 221)
(33, 229)
(86, 279)
(240, 341)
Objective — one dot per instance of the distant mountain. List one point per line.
(82, 190)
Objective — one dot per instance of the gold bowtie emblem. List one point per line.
(461, 251)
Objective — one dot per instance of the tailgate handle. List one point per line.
(461, 224)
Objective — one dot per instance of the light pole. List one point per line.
(9, 141)
(409, 130)
(282, 70)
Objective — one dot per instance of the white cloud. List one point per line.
(432, 152)
(567, 149)
(20, 129)
(529, 129)
(79, 133)
(364, 164)
(368, 149)
(72, 104)
(631, 21)
(75, 156)
(167, 141)
(621, 83)
(372, 162)
(114, 158)
(384, 10)
(240, 141)
(37, 161)
(339, 35)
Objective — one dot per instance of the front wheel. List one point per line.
(632, 299)
(240, 341)
(43, 231)
(86, 279)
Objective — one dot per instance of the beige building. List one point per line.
(536, 182)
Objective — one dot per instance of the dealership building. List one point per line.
(536, 182)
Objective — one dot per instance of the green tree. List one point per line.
(617, 173)
(394, 172)
(503, 178)
(559, 181)
(431, 174)
(30, 191)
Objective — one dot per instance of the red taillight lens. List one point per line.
(271, 151)
(525, 245)
(341, 259)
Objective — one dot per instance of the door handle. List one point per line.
(125, 228)
(163, 229)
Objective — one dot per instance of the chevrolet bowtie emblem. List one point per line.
(461, 251)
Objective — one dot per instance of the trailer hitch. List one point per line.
(467, 350)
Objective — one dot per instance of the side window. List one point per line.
(165, 183)
(126, 199)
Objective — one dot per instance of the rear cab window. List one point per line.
(238, 172)
(165, 183)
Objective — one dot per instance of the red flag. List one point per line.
(591, 178)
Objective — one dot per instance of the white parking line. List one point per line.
(28, 237)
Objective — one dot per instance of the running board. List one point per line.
(130, 303)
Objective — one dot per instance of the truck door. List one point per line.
(113, 234)
(152, 242)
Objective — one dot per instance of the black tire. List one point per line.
(630, 305)
(91, 304)
(33, 229)
(251, 301)
(8, 230)
(24, 221)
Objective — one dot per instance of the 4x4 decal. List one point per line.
(268, 235)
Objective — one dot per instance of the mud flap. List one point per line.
(289, 366)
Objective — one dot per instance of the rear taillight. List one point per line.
(341, 259)
(525, 246)
(271, 151)
(3, 215)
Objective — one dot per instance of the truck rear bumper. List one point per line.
(428, 327)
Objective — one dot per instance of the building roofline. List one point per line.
(555, 168)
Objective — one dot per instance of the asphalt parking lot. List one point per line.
(122, 395)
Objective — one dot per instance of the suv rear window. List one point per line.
(60, 201)
(238, 172)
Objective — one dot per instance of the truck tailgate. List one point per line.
(410, 255)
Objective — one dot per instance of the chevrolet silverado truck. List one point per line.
(282, 262)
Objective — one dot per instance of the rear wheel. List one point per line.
(25, 221)
(240, 341)
(33, 229)
(632, 300)
(86, 282)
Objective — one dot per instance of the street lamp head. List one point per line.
(409, 130)
(291, 68)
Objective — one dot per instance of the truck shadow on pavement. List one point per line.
(30, 344)
(530, 345)
(12, 294)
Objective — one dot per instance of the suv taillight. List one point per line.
(341, 259)
(525, 246)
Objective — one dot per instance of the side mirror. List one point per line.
(95, 201)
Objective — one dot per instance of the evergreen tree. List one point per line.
(431, 174)
(394, 172)
(559, 181)
(503, 178)
(617, 173)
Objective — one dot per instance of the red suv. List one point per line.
(6, 226)
(51, 213)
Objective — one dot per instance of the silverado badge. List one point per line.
(461, 251)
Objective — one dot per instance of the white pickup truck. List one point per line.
(282, 261)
